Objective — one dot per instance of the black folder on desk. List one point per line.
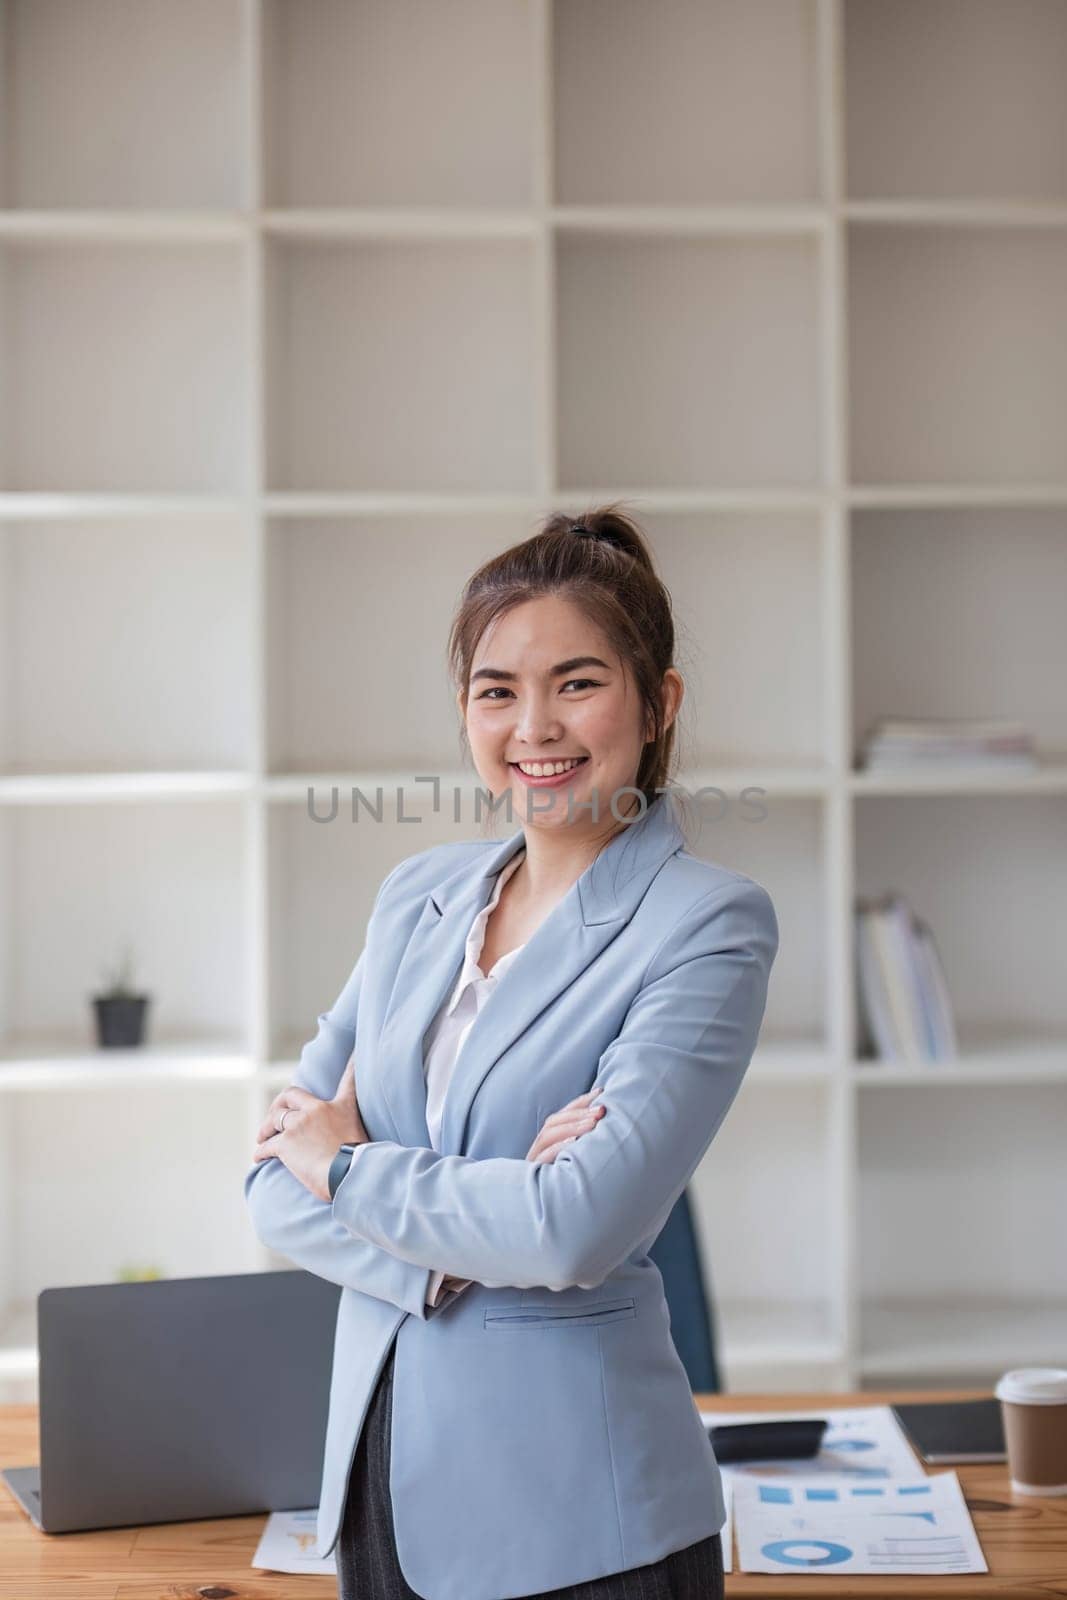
(954, 1430)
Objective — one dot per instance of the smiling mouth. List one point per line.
(549, 769)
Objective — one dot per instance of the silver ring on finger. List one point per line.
(285, 1113)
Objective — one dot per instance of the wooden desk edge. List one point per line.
(1023, 1538)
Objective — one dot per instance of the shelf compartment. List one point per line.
(682, 104)
(401, 365)
(957, 1270)
(323, 877)
(114, 103)
(731, 578)
(687, 362)
(729, 574)
(782, 846)
(766, 1227)
(777, 1346)
(126, 694)
(940, 599)
(947, 101)
(81, 883)
(127, 367)
(957, 362)
(384, 105)
(987, 872)
(954, 1340)
(332, 686)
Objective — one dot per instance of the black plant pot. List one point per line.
(120, 1020)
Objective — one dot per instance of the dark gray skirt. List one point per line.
(367, 1565)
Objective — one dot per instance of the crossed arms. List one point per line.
(667, 1080)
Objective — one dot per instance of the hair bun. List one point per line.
(607, 537)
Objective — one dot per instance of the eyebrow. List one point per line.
(554, 672)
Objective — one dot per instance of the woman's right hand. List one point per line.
(570, 1122)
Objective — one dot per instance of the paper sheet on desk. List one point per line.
(289, 1544)
(837, 1524)
(861, 1442)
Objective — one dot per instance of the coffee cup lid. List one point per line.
(1034, 1386)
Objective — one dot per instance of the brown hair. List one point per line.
(601, 561)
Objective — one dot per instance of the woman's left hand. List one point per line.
(314, 1129)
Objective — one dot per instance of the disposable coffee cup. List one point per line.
(1033, 1404)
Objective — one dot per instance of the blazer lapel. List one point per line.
(587, 918)
(426, 973)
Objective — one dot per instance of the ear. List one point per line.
(673, 695)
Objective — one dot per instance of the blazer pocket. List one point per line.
(519, 1318)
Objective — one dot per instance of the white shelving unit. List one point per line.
(305, 310)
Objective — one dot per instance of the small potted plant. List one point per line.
(120, 1009)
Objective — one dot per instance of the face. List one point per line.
(546, 688)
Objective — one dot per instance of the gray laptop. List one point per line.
(180, 1399)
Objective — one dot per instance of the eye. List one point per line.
(584, 683)
(499, 688)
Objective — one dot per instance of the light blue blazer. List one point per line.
(544, 1432)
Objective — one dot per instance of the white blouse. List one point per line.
(448, 1031)
(450, 1027)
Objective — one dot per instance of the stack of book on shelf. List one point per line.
(904, 1000)
(935, 742)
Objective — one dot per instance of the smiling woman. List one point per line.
(508, 1412)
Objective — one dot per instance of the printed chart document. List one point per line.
(289, 1544)
(838, 1524)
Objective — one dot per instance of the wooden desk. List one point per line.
(1024, 1540)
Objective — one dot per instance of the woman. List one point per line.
(508, 1413)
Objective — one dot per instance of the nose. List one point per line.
(537, 723)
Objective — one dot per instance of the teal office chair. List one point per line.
(676, 1255)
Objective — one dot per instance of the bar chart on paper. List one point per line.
(898, 1526)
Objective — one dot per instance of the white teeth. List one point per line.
(547, 769)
